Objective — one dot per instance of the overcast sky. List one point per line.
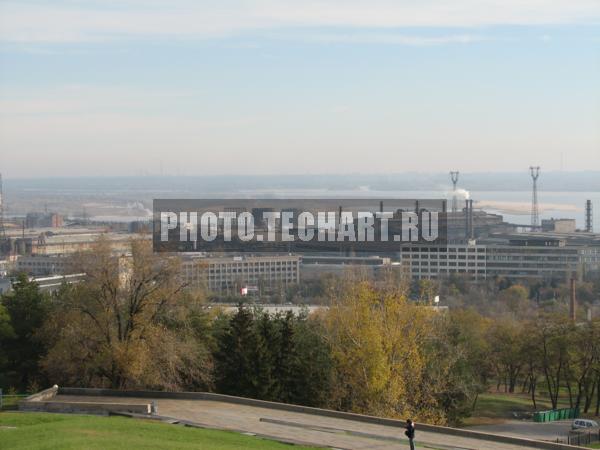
(297, 86)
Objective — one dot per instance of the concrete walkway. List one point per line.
(300, 427)
(548, 431)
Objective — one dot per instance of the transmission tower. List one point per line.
(454, 178)
(535, 212)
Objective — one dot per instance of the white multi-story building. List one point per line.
(535, 259)
(315, 266)
(42, 264)
(231, 273)
(434, 261)
(589, 258)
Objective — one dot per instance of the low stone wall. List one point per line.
(85, 407)
(43, 401)
(316, 411)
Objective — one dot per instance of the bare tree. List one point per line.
(124, 326)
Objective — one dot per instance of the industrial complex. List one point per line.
(480, 245)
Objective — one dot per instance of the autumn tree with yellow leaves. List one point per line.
(386, 355)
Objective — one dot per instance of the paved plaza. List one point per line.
(300, 427)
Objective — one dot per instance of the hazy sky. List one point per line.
(297, 86)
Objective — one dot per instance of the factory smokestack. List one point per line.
(471, 231)
(572, 301)
(469, 234)
(467, 219)
(589, 226)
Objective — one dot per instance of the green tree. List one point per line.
(507, 356)
(27, 308)
(551, 334)
(285, 361)
(461, 347)
(7, 335)
(311, 376)
(533, 360)
(514, 297)
(235, 363)
(265, 354)
(280, 358)
(583, 352)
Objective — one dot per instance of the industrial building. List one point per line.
(42, 264)
(217, 274)
(229, 274)
(5, 285)
(47, 284)
(529, 256)
(4, 267)
(43, 220)
(63, 240)
(55, 282)
(482, 246)
(315, 266)
(538, 259)
(433, 262)
(559, 225)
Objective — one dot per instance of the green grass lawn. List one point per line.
(497, 407)
(11, 402)
(65, 431)
(502, 405)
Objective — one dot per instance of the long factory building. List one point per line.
(523, 257)
(519, 256)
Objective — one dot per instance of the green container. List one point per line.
(575, 413)
(553, 415)
(564, 414)
(537, 416)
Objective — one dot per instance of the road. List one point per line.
(547, 431)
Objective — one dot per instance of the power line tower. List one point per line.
(2, 230)
(454, 178)
(535, 211)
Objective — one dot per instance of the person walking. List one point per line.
(410, 433)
